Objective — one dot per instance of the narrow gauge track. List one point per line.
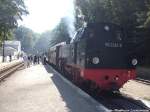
(115, 101)
(147, 82)
(5, 72)
(118, 101)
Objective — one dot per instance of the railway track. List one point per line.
(147, 82)
(116, 102)
(121, 102)
(7, 70)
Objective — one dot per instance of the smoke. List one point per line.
(70, 18)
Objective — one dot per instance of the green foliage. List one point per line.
(60, 33)
(147, 22)
(27, 37)
(42, 43)
(50, 38)
(128, 13)
(10, 12)
(38, 43)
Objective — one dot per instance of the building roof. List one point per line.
(13, 42)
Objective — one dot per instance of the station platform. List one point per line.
(41, 89)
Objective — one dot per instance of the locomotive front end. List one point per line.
(107, 63)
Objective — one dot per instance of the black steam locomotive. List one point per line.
(97, 57)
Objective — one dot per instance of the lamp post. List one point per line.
(3, 45)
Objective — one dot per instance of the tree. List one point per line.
(10, 12)
(50, 38)
(60, 33)
(27, 37)
(128, 13)
(42, 43)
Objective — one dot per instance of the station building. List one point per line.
(12, 48)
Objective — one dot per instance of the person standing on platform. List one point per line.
(31, 59)
(44, 59)
(35, 59)
(38, 59)
(28, 61)
(10, 58)
(25, 58)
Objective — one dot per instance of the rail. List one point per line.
(7, 69)
(116, 101)
(147, 82)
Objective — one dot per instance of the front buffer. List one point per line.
(108, 79)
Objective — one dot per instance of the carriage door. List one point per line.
(75, 52)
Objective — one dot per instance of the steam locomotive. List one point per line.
(96, 58)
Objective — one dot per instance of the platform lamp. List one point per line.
(3, 46)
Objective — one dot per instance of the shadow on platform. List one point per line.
(74, 101)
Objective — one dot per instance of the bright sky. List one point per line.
(46, 14)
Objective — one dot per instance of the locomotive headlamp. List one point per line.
(106, 28)
(116, 78)
(134, 62)
(95, 60)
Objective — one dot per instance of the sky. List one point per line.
(46, 14)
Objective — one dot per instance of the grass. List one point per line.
(147, 98)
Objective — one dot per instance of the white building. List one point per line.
(12, 48)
